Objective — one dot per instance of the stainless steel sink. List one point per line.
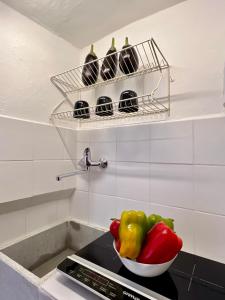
(42, 252)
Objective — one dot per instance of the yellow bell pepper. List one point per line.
(132, 231)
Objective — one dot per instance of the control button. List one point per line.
(102, 289)
(112, 294)
(79, 276)
(70, 272)
(95, 284)
(112, 286)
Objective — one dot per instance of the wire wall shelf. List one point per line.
(142, 108)
(144, 105)
(149, 59)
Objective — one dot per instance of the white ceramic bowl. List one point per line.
(145, 270)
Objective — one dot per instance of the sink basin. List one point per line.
(42, 252)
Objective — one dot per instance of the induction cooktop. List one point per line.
(98, 268)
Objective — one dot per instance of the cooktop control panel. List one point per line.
(102, 285)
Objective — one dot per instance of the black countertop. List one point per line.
(189, 277)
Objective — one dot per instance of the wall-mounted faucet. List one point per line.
(85, 163)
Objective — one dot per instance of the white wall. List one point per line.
(31, 156)
(176, 169)
(191, 35)
(29, 56)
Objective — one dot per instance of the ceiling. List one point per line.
(82, 22)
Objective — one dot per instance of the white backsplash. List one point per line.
(176, 169)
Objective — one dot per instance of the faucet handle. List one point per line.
(82, 163)
(87, 151)
(87, 162)
(103, 163)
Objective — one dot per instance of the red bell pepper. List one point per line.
(161, 245)
(114, 228)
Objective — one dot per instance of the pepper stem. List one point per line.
(126, 41)
(113, 43)
(92, 49)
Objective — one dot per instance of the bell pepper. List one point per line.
(114, 228)
(132, 231)
(161, 245)
(154, 219)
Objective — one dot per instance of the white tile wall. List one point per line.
(31, 155)
(40, 215)
(136, 151)
(171, 142)
(69, 138)
(210, 189)
(209, 141)
(80, 206)
(82, 181)
(47, 213)
(209, 236)
(172, 185)
(102, 209)
(44, 176)
(133, 181)
(105, 150)
(70, 182)
(133, 133)
(83, 135)
(15, 224)
(12, 225)
(172, 168)
(102, 135)
(46, 143)
(16, 139)
(16, 180)
(171, 130)
(63, 209)
(103, 181)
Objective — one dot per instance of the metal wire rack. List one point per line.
(132, 107)
(149, 58)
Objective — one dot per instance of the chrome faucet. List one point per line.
(85, 163)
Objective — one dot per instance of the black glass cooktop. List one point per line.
(189, 277)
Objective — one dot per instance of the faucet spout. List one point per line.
(69, 174)
(85, 163)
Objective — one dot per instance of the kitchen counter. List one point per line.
(190, 277)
